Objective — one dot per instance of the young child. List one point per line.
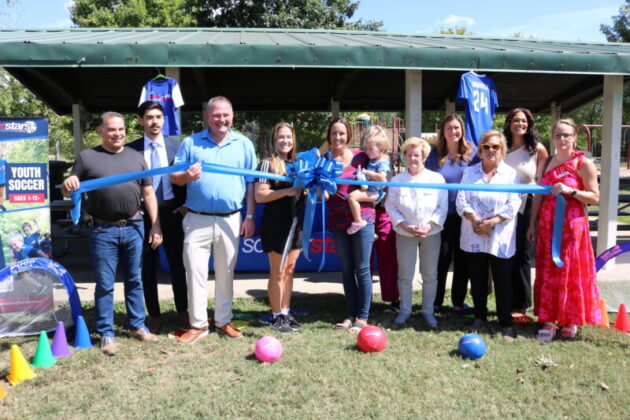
(21, 251)
(376, 146)
(31, 236)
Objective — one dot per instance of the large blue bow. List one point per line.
(314, 173)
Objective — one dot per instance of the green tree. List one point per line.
(619, 31)
(303, 14)
(132, 13)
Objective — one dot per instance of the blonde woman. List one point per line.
(565, 296)
(418, 217)
(282, 203)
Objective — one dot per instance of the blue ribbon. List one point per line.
(312, 172)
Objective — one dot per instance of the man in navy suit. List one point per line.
(160, 152)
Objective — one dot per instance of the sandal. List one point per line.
(547, 333)
(568, 331)
(347, 323)
(357, 326)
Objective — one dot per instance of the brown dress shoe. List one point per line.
(144, 336)
(154, 323)
(229, 330)
(193, 335)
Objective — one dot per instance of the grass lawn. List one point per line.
(323, 375)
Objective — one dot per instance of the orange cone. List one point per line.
(3, 392)
(605, 322)
(20, 370)
(622, 323)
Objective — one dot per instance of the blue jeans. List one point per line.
(108, 245)
(354, 256)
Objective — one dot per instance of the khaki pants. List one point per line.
(414, 252)
(203, 234)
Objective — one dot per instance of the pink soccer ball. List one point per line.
(268, 349)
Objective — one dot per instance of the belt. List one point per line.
(119, 223)
(213, 214)
(167, 203)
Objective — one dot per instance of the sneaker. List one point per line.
(508, 333)
(281, 323)
(193, 335)
(108, 346)
(430, 320)
(229, 330)
(402, 318)
(144, 336)
(295, 326)
(355, 227)
(477, 325)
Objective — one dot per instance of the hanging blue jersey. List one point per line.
(167, 93)
(481, 100)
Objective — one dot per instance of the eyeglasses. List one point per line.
(490, 146)
(563, 136)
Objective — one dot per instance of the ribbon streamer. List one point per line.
(312, 172)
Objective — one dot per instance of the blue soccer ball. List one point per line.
(471, 346)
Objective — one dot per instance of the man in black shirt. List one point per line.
(117, 232)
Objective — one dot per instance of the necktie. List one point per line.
(158, 185)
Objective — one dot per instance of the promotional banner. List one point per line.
(24, 195)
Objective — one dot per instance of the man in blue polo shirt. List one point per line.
(213, 220)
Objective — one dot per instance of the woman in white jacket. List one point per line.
(488, 231)
(417, 215)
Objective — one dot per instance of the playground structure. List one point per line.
(591, 146)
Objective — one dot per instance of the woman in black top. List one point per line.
(283, 203)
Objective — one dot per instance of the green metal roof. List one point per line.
(202, 47)
(301, 70)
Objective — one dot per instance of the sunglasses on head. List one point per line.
(490, 146)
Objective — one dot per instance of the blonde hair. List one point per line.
(277, 165)
(376, 134)
(487, 135)
(416, 142)
(464, 148)
(566, 121)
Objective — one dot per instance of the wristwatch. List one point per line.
(574, 192)
(250, 216)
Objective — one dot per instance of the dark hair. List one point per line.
(341, 121)
(464, 148)
(531, 138)
(147, 105)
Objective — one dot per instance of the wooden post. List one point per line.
(413, 103)
(77, 128)
(611, 146)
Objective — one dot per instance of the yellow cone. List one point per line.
(3, 392)
(20, 370)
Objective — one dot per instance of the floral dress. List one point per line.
(569, 294)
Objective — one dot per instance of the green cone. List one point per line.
(43, 355)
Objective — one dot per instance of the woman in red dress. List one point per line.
(565, 297)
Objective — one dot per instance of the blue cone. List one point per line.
(82, 338)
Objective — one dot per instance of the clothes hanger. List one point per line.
(159, 76)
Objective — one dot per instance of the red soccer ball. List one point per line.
(371, 339)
